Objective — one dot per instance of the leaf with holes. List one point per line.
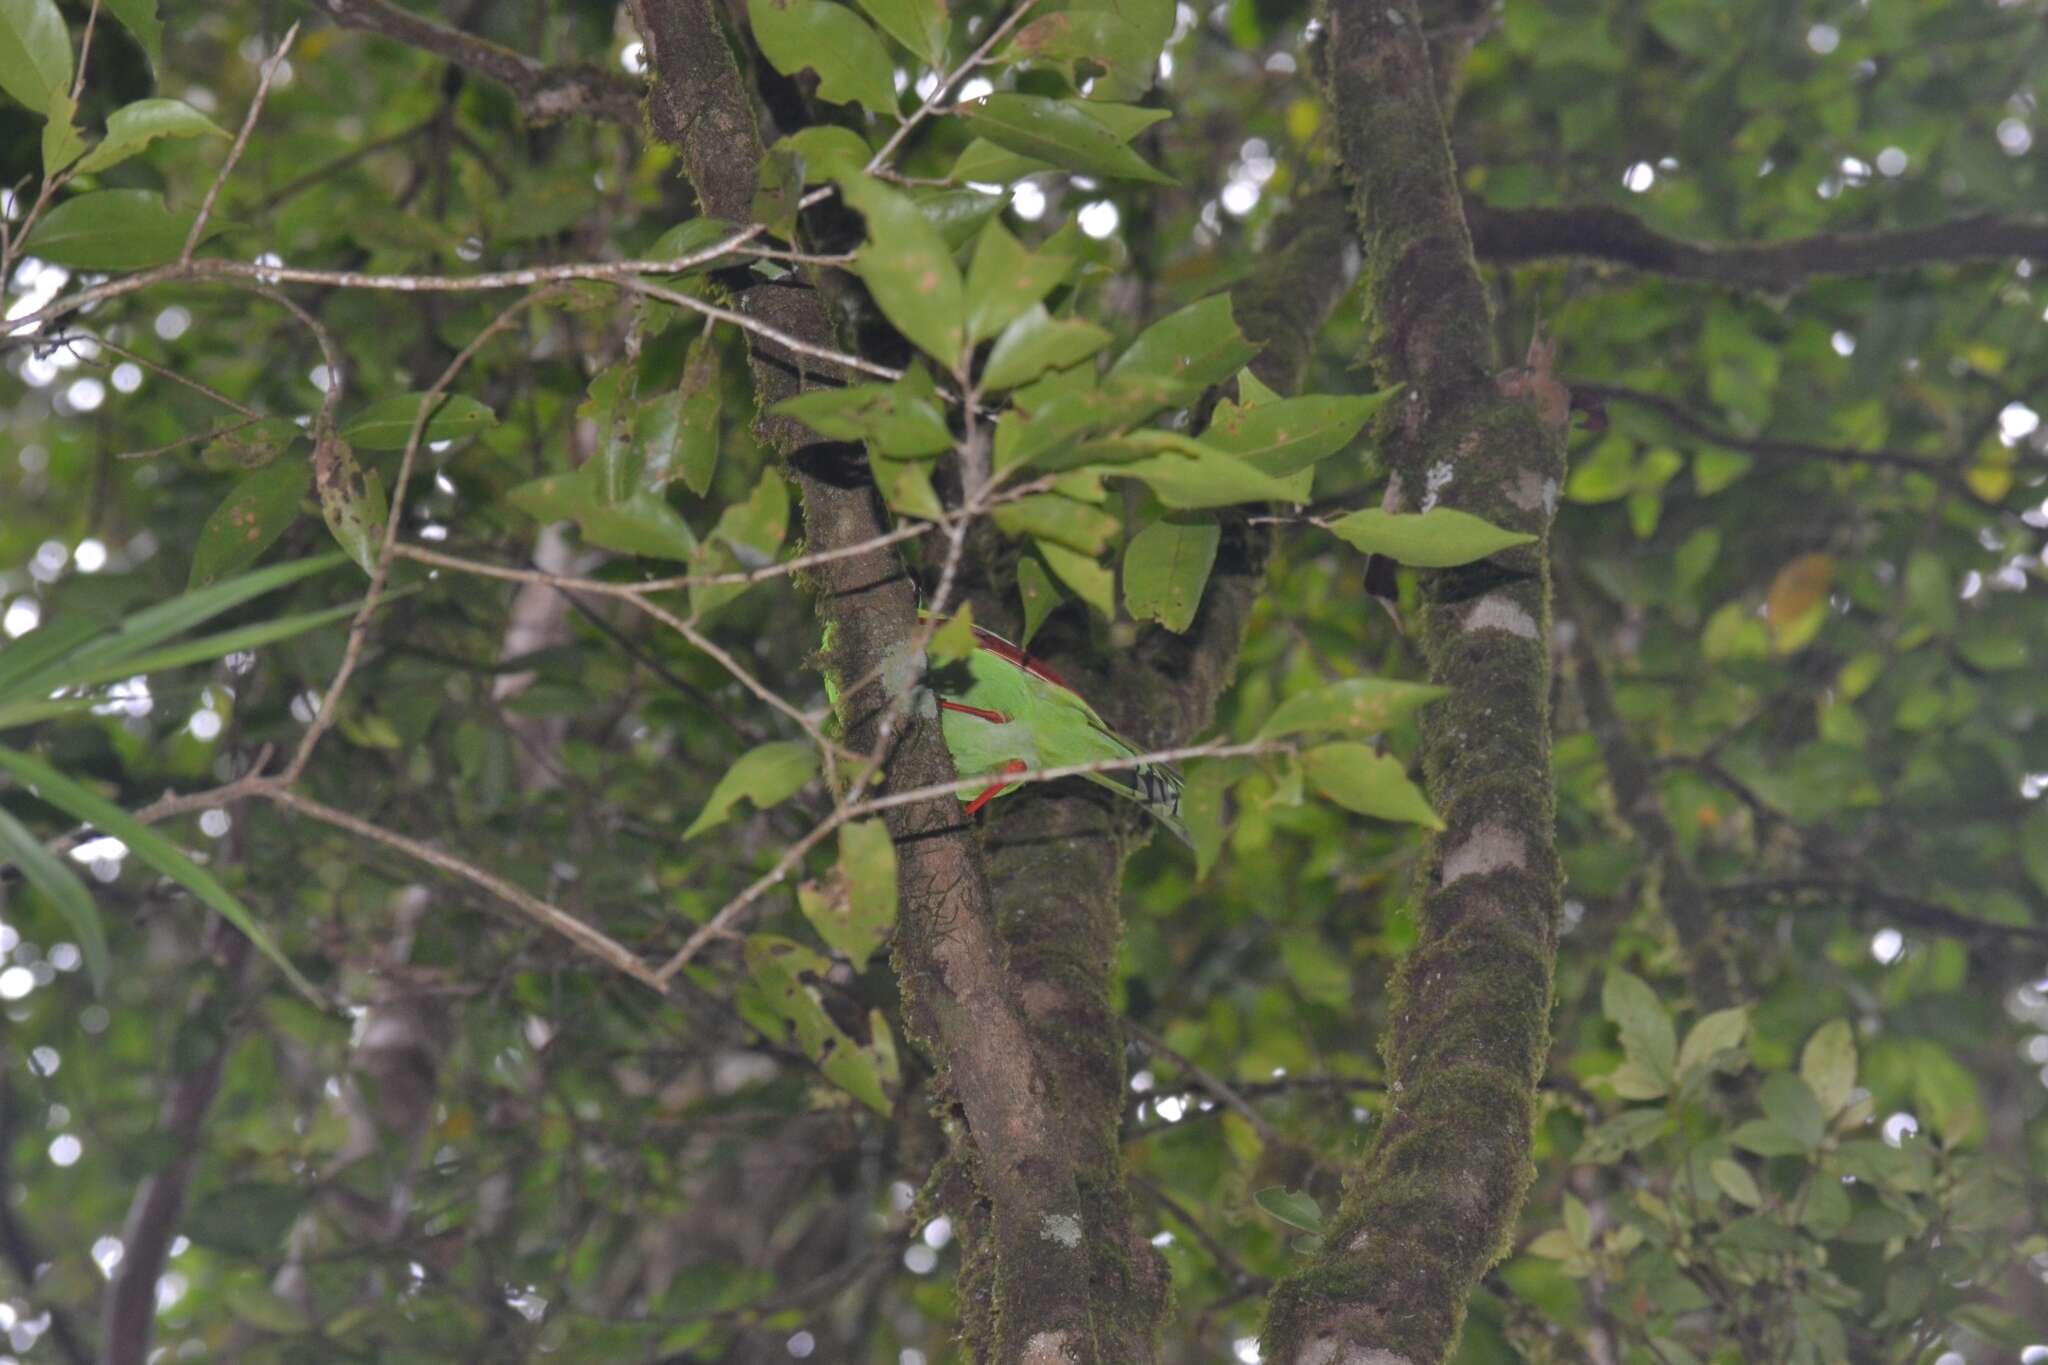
(352, 502)
(249, 520)
(852, 65)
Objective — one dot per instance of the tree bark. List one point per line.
(1433, 1203)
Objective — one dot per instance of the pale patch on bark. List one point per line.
(901, 670)
(1048, 1348)
(1041, 998)
(1435, 479)
(1391, 503)
(1495, 612)
(1532, 490)
(1490, 847)
(1330, 1351)
(1063, 1228)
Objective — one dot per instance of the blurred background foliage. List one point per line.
(1829, 665)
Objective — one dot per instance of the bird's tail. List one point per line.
(1154, 786)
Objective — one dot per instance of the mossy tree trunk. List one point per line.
(1434, 1201)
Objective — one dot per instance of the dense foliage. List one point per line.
(482, 879)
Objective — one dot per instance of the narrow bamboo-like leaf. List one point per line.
(920, 25)
(387, 423)
(765, 776)
(1437, 539)
(1060, 131)
(35, 52)
(852, 65)
(1003, 280)
(1166, 567)
(1375, 784)
(210, 647)
(112, 230)
(153, 849)
(1358, 706)
(133, 127)
(351, 501)
(121, 647)
(1296, 1208)
(1036, 342)
(908, 268)
(249, 520)
(47, 873)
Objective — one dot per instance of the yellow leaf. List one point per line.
(1798, 601)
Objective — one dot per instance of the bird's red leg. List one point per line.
(1015, 765)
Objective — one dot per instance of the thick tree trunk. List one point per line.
(1433, 1204)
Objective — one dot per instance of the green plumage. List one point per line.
(1017, 715)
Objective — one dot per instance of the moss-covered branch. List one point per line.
(960, 1002)
(1433, 1203)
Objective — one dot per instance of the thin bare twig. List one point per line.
(946, 83)
(720, 924)
(241, 143)
(1210, 1082)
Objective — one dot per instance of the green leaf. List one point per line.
(1191, 475)
(856, 907)
(778, 966)
(2034, 846)
(251, 445)
(828, 152)
(1437, 539)
(1791, 1106)
(140, 19)
(920, 25)
(1062, 520)
(1003, 280)
(852, 65)
(1189, 350)
(133, 127)
(697, 428)
(1166, 567)
(1947, 1094)
(265, 1309)
(1036, 592)
(1062, 132)
(908, 268)
(1087, 580)
(1354, 706)
(1767, 1138)
(1645, 1025)
(351, 501)
(112, 230)
(1037, 342)
(1289, 435)
(695, 235)
(766, 776)
(984, 163)
(152, 849)
(1629, 1131)
(1716, 1033)
(47, 873)
(1296, 1208)
(643, 524)
(1374, 784)
(1828, 1065)
(1736, 1181)
(57, 656)
(906, 486)
(249, 520)
(1093, 39)
(207, 648)
(387, 423)
(35, 53)
(902, 420)
(62, 143)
